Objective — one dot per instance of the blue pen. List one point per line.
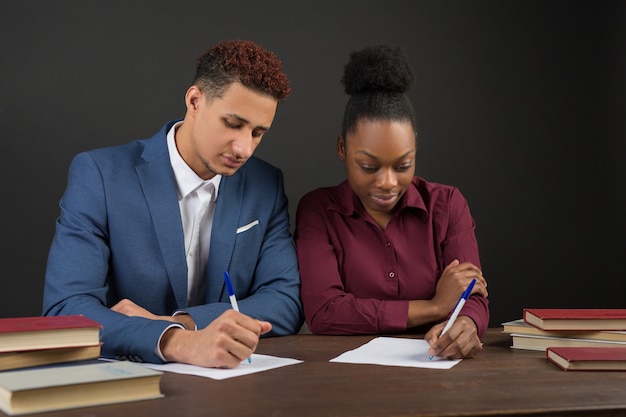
(231, 296)
(457, 309)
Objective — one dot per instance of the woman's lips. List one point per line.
(384, 199)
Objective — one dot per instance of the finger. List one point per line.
(470, 272)
(466, 346)
(442, 341)
(433, 334)
(480, 289)
(266, 327)
(439, 347)
(227, 357)
(240, 351)
(448, 346)
(233, 344)
(454, 263)
(481, 279)
(471, 269)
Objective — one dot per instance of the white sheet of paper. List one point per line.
(259, 363)
(395, 351)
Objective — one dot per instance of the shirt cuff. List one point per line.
(179, 312)
(157, 348)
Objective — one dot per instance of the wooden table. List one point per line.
(499, 381)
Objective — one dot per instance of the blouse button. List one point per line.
(388, 244)
(392, 274)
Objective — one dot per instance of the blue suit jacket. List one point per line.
(120, 235)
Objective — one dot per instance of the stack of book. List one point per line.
(35, 341)
(573, 339)
(69, 347)
(543, 328)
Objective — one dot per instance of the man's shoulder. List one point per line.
(134, 150)
(260, 172)
(256, 164)
(128, 148)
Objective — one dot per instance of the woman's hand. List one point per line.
(460, 341)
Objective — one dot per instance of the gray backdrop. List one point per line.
(520, 104)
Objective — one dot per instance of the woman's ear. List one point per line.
(341, 147)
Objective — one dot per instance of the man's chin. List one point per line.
(227, 171)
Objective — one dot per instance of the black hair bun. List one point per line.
(376, 69)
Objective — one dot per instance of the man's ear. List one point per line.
(341, 147)
(193, 98)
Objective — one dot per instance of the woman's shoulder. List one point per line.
(338, 198)
(321, 194)
(432, 189)
(438, 197)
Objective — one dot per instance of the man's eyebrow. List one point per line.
(245, 121)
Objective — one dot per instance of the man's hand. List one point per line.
(460, 341)
(228, 340)
(131, 309)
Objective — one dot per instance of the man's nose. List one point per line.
(244, 145)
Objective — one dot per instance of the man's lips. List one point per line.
(233, 162)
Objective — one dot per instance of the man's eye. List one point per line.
(232, 125)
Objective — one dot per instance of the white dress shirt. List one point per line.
(196, 198)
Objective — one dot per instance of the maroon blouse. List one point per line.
(357, 278)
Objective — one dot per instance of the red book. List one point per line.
(588, 358)
(31, 333)
(579, 319)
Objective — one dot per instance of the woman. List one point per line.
(387, 251)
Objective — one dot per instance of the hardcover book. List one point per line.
(588, 358)
(520, 327)
(31, 333)
(64, 387)
(576, 319)
(30, 358)
(534, 342)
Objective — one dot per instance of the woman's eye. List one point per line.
(403, 168)
(368, 168)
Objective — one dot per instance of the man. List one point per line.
(148, 229)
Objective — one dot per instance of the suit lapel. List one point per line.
(159, 188)
(225, 223)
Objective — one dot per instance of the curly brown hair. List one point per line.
(241, 61)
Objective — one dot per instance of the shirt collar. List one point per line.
(348, 202)
(187, 180)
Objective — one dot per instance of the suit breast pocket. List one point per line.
(247, 227)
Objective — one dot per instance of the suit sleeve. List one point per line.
(78, 268)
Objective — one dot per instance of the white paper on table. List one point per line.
(259, 363)
(395, 351)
